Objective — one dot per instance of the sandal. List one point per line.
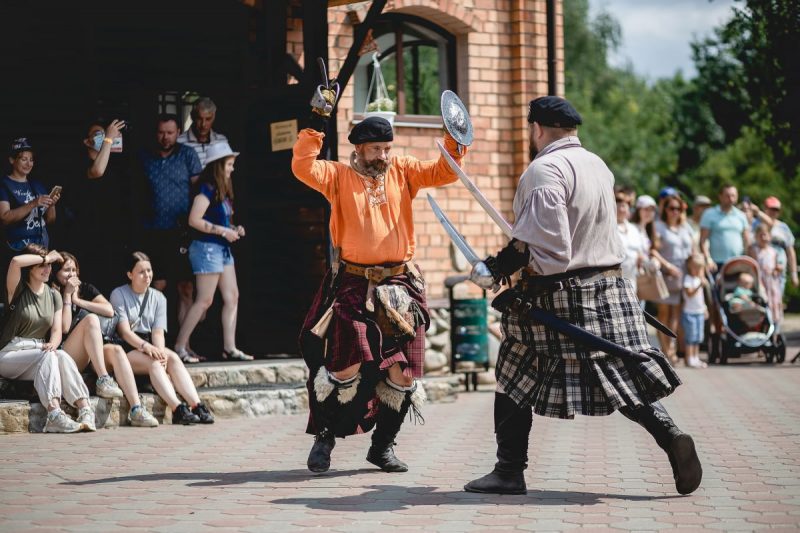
(194, 354)
(236, 354)
(185, 356)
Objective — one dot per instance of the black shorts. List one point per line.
(164, 249)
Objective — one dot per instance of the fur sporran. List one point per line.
(397, 314)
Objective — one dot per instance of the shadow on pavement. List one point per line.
(215, 479)
(376, 500)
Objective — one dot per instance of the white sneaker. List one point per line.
(61, 423)
(86, 419)
(141, 418)
(106, 387)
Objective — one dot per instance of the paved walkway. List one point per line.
(592, 474)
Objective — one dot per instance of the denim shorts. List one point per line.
(209, 257)
(693, 325)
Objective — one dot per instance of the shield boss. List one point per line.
(456, 118)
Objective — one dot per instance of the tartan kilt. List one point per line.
(541, 368)
(353, 337)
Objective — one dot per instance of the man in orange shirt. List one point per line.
(364, 336)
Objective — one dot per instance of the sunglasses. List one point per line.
(674, 208)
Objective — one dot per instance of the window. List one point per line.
(427, 67)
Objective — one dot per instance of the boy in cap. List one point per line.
(565, 239)
(365, 351)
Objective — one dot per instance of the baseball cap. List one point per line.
(667, 191)
(644, 201)
(20, 144)
(772, 203)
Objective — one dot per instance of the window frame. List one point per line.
(397, 21)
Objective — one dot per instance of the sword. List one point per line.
(487, 206)
(480, 274)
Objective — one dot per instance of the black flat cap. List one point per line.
(371, 130)
(553, 111)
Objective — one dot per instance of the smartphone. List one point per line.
(56, 191)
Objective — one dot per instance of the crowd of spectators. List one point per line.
(178, 201)
(686, 247)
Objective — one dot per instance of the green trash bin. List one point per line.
(469, 332)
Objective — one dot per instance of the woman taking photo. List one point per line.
(25, 205)
(30, 340)
(211, 218)
(142, 323)
(83, 305)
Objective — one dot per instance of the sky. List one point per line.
(656, 34)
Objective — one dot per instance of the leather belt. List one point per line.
(376, 273)
(575, 278)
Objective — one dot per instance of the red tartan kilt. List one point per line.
(353, 336)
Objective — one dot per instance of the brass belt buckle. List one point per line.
(374, 274)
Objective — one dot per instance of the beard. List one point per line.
(532, 150)
(377, 165)
(372, 168)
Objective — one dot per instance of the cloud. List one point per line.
(656, 35)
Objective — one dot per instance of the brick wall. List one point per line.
(501, 65)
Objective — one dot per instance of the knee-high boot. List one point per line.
(686, 468)
(394, 406)
(512, 425)
(328, 392)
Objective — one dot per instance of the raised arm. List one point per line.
(14, 274)
(433, 172)
(318, 174)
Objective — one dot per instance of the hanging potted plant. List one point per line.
(381, 105)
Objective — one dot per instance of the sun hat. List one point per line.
(218, 151)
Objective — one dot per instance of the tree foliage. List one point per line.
(737, 121)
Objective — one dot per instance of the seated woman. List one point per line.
(83, 304)
(142, 323)
(28, 352)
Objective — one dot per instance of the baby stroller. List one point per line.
(737, 330)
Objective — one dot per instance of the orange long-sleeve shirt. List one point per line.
(367, 234)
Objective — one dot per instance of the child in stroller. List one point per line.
(743, 321)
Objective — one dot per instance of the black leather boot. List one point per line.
(512, 425)
(319, 458)
(686, 468)
(323, 404)
(394, 406)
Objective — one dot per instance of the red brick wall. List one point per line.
(502, 64)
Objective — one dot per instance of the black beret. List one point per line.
(553, 111)
(371, 130)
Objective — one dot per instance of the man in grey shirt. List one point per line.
(565, 238)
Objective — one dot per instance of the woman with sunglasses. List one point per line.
(675, 246)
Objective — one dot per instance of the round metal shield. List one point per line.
(456, 118)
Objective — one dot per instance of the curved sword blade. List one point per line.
(453, 233)
(493, 213)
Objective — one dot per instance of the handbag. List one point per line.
(650, 285)
(108, 324)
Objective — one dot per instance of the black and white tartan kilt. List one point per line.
(541, 368)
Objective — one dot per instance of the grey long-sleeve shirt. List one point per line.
(565, 210)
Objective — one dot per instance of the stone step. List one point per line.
(226, 402)
(234, 374)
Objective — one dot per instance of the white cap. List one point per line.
(218, 151)
(645, 201)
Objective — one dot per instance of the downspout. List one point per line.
(552, 85)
